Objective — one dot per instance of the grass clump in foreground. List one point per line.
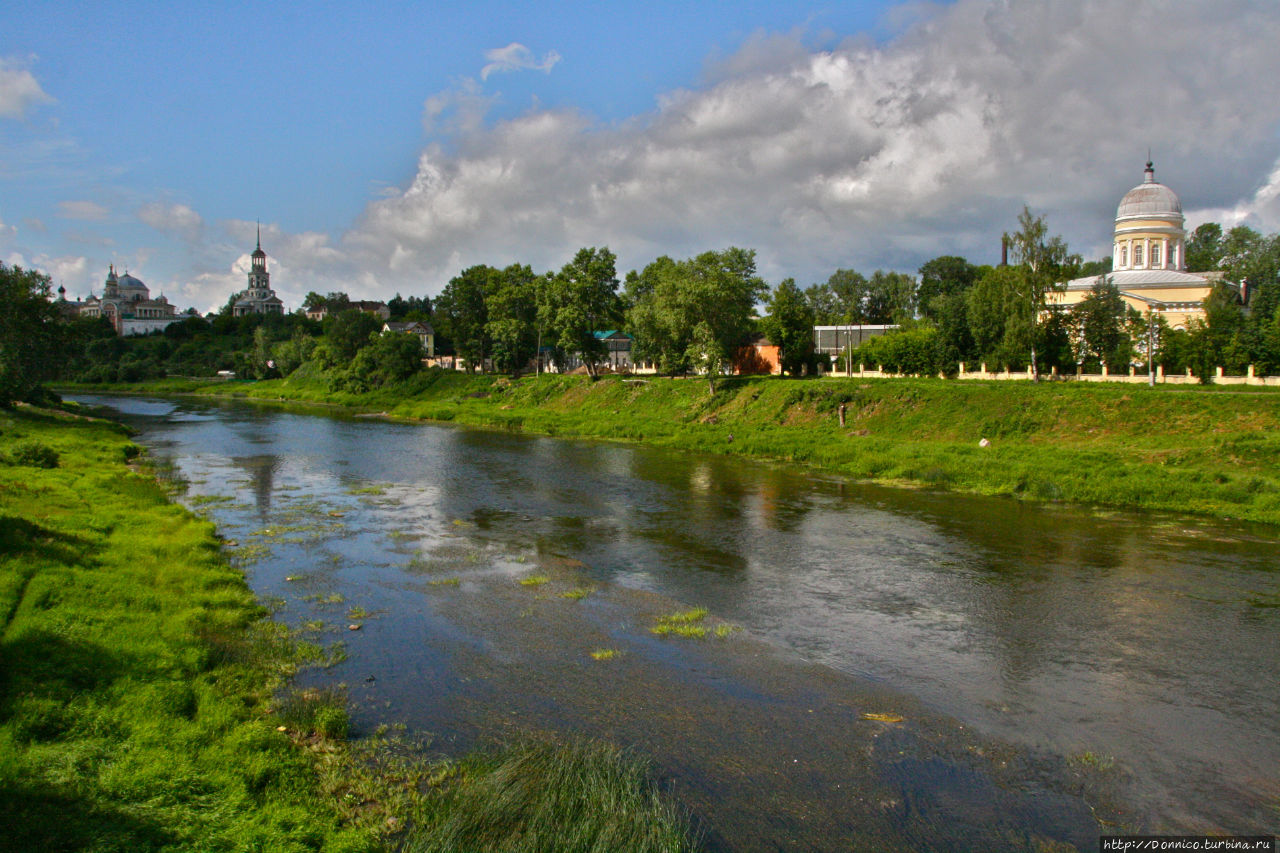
(579, 796)
(141, 700)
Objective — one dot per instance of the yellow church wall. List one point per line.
(1136, 224)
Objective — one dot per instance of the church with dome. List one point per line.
(126, 302)
(1148, 260)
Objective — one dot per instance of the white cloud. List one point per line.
(86, 210)
(1260, 210)
(517, 57)
(19, 90)
(867, 155)
(457, 110)
(64, 270)
(70, 271)
(176, 219)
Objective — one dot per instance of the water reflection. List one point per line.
(1149, 639)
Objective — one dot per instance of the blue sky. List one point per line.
(386, 146)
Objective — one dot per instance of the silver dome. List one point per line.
(1149, 198)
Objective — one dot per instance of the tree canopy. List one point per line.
(31, 334)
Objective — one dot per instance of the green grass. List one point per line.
(535, 580)
(145, 700)
(570, 797)
(138, 670)
(1194, 450)
(685, 623)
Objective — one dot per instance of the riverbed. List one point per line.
(878, 669)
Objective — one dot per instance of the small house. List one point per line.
(424, 331)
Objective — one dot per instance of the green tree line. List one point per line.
(690, 316)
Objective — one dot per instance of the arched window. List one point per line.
(1155, 255)
(1137, 255)
(1124, 256)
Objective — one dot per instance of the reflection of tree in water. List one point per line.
(261, 471)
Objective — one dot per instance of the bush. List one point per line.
(35, 455)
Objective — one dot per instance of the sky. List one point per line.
(384, 147)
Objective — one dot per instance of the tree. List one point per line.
(582, 299)
(1042, 264)
(513, 312)
(824, 306)
(1204, 248)
(790, 326)
(389, 358)
(849, 291)
(348, 332)
(462, 308)
(657, 319)
(890, 297)
(413, 308)
(31, 334)
(721, 290)
(991, 304)
(693, 314)
(289, 355)
(1101, 332)
(941, 277)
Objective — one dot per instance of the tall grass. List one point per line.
(579, 797)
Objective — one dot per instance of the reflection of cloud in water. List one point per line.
(700, 477)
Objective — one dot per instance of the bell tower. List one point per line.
(259, 278)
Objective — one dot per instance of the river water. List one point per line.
(893, 669)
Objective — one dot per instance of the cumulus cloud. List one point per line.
(64, 270)
(19, 90)
(176, 219)
(86, 210)
(70, 271)
(867, 155)
(1260, 210)
(517, 57)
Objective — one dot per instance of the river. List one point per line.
(883, 669)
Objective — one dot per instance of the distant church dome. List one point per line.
(1149, 199)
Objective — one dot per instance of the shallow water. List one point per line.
(1051, 665)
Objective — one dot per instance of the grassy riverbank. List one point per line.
(144, 701)
(1206, 451)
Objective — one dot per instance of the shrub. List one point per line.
(35, 455)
